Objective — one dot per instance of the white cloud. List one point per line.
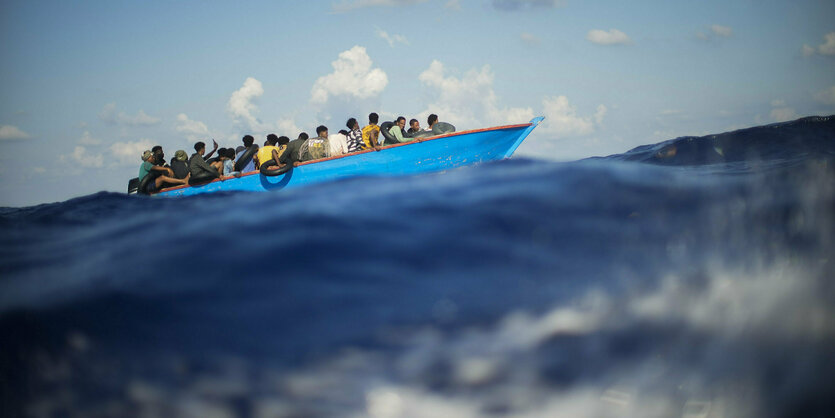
(194, 130)
(612, 37)
(10, 133)
(108, 114)
(240, 103)
(130, 153)
(827, 96)
(87, 139)
(392, 39)
(287, 126)
(469, 101)
(561, 118)
(828, 47)
(510, 5)
(714, 32)
(781, 112)
(600, 113)
(529, 38)
(723, 31)
(352, 77)
(82, 158)
(345, 6)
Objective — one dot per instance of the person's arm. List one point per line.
(209, 155)
(166, 169)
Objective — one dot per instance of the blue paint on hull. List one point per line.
(420, 156)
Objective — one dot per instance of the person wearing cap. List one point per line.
(179, 164)
(162, 174)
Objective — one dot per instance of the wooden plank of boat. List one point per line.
(419, 156)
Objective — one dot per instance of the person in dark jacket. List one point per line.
(199, 168)
(179, 164)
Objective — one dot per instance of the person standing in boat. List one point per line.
(163, 175)
(199, 168)
(316, 148)
(371, 132)
(354, 136)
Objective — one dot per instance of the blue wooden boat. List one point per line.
(419, 156)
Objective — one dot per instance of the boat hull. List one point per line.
(419, 156)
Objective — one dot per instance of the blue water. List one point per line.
(687, 278)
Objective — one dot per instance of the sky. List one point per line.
(86, 86)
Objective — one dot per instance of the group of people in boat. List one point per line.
(278, 152)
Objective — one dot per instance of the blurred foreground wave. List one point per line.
(688, 278)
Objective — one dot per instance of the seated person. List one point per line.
(227, 157)
(292, 153)
(163, 174)
(265, 153)
(338, 143)
(159, 155)
(371, 132)
(179, 164)
(431, 120)
(248, 140)
(199, 168)
(279, 158)
(316, 148)
(354, 140)
(414, 127)
(397, 130)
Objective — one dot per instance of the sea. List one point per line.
(689, 278)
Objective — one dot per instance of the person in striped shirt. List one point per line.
(354, 136)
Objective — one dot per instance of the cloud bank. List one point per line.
(241, 105)
(469, 100)
(352, 77)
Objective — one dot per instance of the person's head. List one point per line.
(373, 118)
(200, 148)
(148, 156)
(230, 154)
(352, 124)
(303, 136)
(322, 131)
(180, 155)
(248, 140)
(272, 139)
(283, 140)
(401, 122)
(433, 118)
(157, 149)
(414, 124)
(222, 153)
(343, 132)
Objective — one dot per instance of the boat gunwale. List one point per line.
(336, 157)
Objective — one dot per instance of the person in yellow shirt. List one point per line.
(371, 132)
(265, 153)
